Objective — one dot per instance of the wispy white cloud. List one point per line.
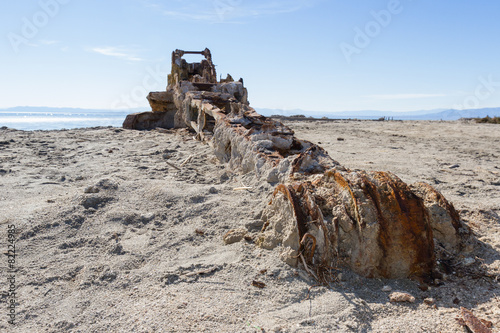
(214, 11)
(49, 42)
(116, 52)
(188, 15)
(405, 96)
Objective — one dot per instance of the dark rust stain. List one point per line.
(294, 200)
(404, 224)
(312, 247)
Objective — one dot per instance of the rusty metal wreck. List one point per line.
(321, 213)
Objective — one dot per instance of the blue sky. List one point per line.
(318, 55)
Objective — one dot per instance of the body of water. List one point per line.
(29, 120)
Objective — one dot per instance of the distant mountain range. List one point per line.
(437, 114)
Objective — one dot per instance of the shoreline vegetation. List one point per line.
(488, 120)
(300, 117)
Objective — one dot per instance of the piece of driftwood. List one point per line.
(173, 166)
(320, 212)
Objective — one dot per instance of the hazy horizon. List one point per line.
(55, 118)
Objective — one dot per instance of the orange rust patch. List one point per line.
(405, 231)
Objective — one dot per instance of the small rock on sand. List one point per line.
(429, 301)
(468, 261)
(401, 297)
(234, 236)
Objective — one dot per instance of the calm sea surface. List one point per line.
(60, 120)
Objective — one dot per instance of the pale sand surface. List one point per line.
(128, 258)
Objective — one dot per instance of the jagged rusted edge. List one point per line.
(296, 196)
(310, 208)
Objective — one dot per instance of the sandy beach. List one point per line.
(122, 231)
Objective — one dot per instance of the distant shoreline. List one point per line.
(303, 118)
